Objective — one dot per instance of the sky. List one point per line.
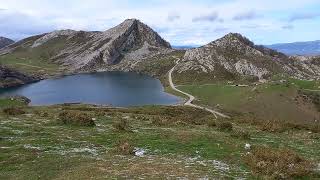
(181, 22)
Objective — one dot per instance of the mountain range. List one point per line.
(298, 48)
(118, 48)
(134, 46)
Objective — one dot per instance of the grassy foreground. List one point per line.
(57, 142)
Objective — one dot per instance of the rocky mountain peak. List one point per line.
(233, 40)
(113, 49)
(236, 56)
(5, 42)
(142, 33)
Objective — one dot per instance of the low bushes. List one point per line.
(224, 125)
(314, 97)
(13, 111)
(124, 147)
(273, 126)
(211, 123)
(241, 134)
(160, 121)
(278, 126)
(121, 125)
(76, 118)
(277, 163)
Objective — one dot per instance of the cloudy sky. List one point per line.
(181, 22)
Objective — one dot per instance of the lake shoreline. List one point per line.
(129, 81)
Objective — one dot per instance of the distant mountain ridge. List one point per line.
(234, 57)
(5, 42)
(298, 48)
(134, 46)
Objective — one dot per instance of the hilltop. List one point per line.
(234, 57)
(119, 48)
(5, 42)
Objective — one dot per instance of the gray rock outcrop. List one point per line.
(235, 54)
(5, 42)
(10, 78)
(118, 48)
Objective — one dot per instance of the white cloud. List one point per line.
(179, 21)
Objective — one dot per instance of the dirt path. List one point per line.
(29, 65)
(191, 98)
(312, 90)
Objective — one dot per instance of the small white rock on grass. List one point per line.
(139, 152)
(247, 146)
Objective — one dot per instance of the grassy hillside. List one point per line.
(34, 60)
(178, 142)
(272, 101)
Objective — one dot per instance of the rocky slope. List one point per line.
(119, 48)
(5, 42)
(10, 78)
(234, 56)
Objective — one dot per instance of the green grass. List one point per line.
(35, 146)
(302, 84)
(270, 101)
(35, 60)
(5, 103)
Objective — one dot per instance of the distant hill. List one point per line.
(235, 57)
(184, 47)
(298, 48)
(5, 42)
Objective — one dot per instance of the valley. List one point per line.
(250, 112)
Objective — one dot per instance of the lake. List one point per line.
(120, 89)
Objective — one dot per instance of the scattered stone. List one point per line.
(220, 165)
(247, 146)
(139, 152)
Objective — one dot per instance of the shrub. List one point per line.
(273, 126)
(157, 121)
(41, 113)
(225, 125)
(241, 134)
(124, 147)
(100, 113)
(121, 125)
(160, 121)
(315, 128)
(277, 163)
(211, 123)
(76, 118)
(13, 111)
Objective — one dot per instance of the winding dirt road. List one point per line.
(191, 98)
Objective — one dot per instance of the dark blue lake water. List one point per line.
(105, 88)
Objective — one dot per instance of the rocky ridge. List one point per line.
(118, 48)
(10, 78)
(236, 55)
(5, 42)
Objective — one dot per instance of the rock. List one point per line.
(234, 56)
(22, 99)
(119, 48)
(10, 78)
(5, 42)
(139, 152)
(247, 146)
